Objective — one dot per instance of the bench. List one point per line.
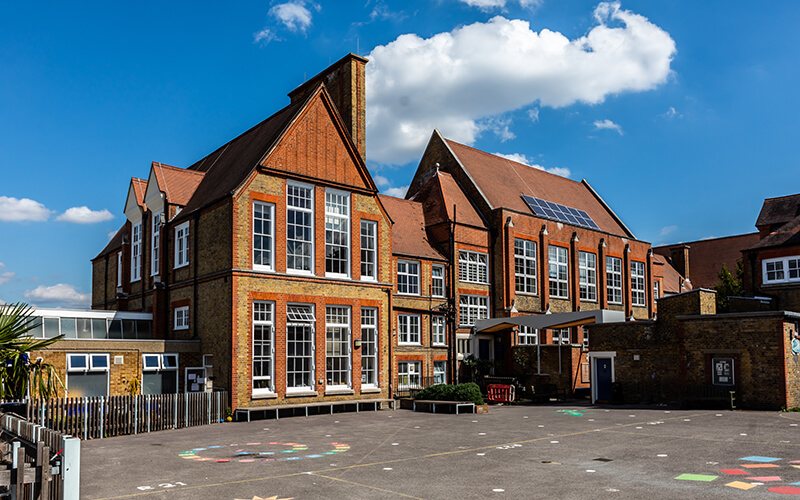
(709, 394)
(432, 404)
(306, 406)
(542, 393)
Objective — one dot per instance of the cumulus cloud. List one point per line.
(521, 158)
(607, 125)
(60, 295)
(293, 15)
(399, 192)
(265, 36)
(21, 210)
(453, 80)
(499, 4)
(380, 180)
(533, 114)
(7, 276)
(83, 215)
(667, 230)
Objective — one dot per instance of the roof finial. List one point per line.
(437, 168)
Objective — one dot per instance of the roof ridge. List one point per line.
(782, 197)
(707, 239)
(179, 169)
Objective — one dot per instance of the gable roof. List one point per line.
(178, 184)
(114, 244)
(139, 187)
(443, 201)
(785, 236)
(671, 279)
(503, 182)
(779, 210)
(409, 237)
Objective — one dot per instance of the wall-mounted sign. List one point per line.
(722, 371)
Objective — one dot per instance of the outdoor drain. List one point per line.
(603, 459)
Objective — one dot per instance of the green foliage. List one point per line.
(444, 392)
(19, 376)
(729, 286)
(478, 367)
(792, 409)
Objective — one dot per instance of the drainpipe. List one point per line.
(454, 298)
(391, 342)
(195, 252)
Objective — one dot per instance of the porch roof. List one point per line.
(559, 320)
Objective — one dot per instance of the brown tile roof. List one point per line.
(785, 236)
(503, 182)
(409, 237)
(707, 256)
(779, 210)
(440, 196)
(113, 245)
(139, 187)
(670, 277)
(227, 167)
(177, 183)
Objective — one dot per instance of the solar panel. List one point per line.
(561, 213)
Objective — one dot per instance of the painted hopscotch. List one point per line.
(757, 471)
(267, 452)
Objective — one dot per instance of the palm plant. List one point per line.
(18, 375)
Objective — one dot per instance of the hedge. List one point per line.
(461, 392)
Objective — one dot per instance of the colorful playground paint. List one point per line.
(256, 456)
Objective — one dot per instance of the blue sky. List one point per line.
(681, 114)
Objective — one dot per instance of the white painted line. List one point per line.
(395, 444)
(481, 454)
(553, 442)
(540, 426)
(524, 417)
(589, 470)
(387, 468)
(631, 415)
(474, 421)
(481, 433)
(718, 415)
(792, 425)
(687, 419)
(498, 490)
(743, 434)
(662, 455)
(667, 411)
(638, 427)
(416, 427)
(591, 420)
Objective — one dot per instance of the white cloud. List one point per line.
(60, 295)
(667, 230)
(6, 276)
(453, 80)
(19, 210)
(265, 36)
(293, 15)
(607, 125)
(398, 192)
(521, 158)
(671, 113)
(83, 215)
(499, 127)
(495, 4)
(380, 180)
(111, 235)
(533, 114)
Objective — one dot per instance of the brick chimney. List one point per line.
(345, 82)
(680, 260)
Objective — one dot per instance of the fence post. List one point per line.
(71, 468)
(147, 408)
(102, 415)
(18, 467)
(186, 411)
(135, 414)
(175, 398)
(209, 408)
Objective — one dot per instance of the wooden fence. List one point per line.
(38, 463)
(99, 417)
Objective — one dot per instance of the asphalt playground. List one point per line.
(564, 451)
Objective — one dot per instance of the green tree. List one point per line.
(19, 376)
(729, 285)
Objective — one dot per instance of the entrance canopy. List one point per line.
(560, 320)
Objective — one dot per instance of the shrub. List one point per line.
(461, 392)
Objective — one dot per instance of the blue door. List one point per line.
(603, 381)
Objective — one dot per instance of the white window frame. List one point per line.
(656, 289)
(413, 377)
(558, 266)
(561, 336)
(405, 329)
(136, 251)
(335, 198)
(527, 336)
(119, 268)
(267, 233)
(155, 240)
(337, 346)
(182, 245)
(181, 318)
(369, 250)
(437, 282)
(614, 279)
(587, 276)
(439, 372)
(302, 241)
(786, 266)
(369, 345)
(162, 365)
(525, 266)
(463, 345)
(472, 308)
(473, 267)
(407, 281)
(638, 284)
(264, 318)
(89, 360)
(305, 322)
(438, 330)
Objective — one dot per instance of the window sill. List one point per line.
(370, 390)
(270, 395)
(300, 394)
(181, 266)
(412, 344)
(438, 345)
(339, 392)
(262, 269)
(527, 294)
(298, 272)
(407, 294)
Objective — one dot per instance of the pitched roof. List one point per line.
(779, 210)
(444, 200)
(670, 278)
(227, 167)
(139, 187)
(177, 183)
(503, 182)
(707, 256)
(409, 237)
(114, 244)
(785, 236)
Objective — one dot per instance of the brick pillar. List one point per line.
(575, 288)
(602, 293)
(626, 281)
(544, 274)
(651, 301)
(509, 279)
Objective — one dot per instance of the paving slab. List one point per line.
(564, 451)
